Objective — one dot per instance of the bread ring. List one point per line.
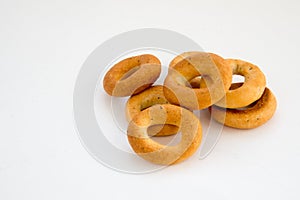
(211, 67)
(132, 75)
(149, 97)
(157, 153)
(249, 117)
(252, 89)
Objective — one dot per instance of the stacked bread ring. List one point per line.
(167, 109)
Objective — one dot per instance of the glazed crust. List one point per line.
(249, 117)
(213, 69)
(149, 97)
(155, 152)
(132, 75)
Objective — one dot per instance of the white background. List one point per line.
(42, 47)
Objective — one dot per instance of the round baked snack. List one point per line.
(152, 151)
(248, 117)
(149, 97)
(252, 89)
(132, 75)
(211, 67)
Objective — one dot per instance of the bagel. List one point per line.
(249, 117)
(152, 151)
(211, 67)
(149, 97)
(252, 89)
(132, 75)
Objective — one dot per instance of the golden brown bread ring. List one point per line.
(211, 67)
(132, 75)
(252, 89)
(150, 150)
(249, 117)
(149, 97)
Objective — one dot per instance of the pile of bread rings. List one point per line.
(195, 81)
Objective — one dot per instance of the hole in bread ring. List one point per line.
(198, 82)
(248, 117)
(149, 97)
(150, 150)
(132, 75)
(212, 68)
